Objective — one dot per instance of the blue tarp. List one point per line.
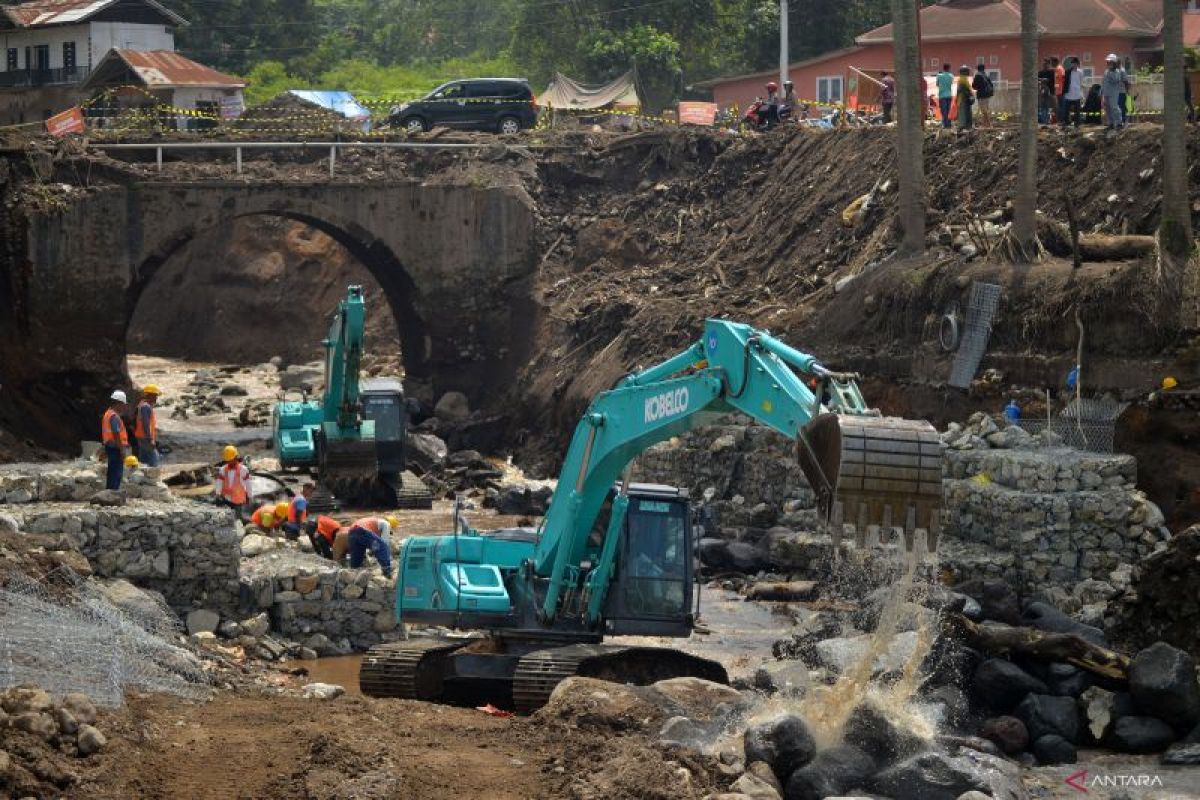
(338, 102)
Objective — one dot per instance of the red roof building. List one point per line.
(971, 32)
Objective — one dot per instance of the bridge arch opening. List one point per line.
(264, 284)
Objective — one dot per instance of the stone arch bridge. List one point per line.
(455, 262)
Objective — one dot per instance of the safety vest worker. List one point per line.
(232, 479)
(112, 430)
(115, 439)
(145, 426)
(269, 517)
(323, 533)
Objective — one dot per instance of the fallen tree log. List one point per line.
(999, 639)
(782, 592)
(1056, 238)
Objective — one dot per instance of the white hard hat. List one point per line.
(119, 396)
(1112, 57)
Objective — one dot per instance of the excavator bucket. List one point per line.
(878, 474)
(348, 467)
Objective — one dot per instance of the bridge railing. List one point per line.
(237, 147)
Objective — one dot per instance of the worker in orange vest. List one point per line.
(115, 439)
(232, 481)
(324, 533)
(297, 513)
(368, 534)
(269, 517)
(145, 426)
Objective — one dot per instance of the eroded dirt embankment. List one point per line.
(643, 236)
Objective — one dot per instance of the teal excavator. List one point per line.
(354, 436)
(613, 557)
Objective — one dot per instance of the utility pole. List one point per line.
(783, 42)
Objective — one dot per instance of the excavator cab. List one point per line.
(651, 592)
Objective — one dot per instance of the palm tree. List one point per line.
(1175, 230)
(1024, 227)
(910, 126)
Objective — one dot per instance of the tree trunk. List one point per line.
(994, 638)
(1025, 203)
(1175, 230)
(910, 126)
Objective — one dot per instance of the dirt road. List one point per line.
(258, 747)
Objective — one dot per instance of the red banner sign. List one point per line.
(69, 121)
(697, 113)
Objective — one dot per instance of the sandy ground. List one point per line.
(260, 747)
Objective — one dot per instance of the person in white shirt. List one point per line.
(1073, 96)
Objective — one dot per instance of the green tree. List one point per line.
(654, 54)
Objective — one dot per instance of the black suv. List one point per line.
(504, 105)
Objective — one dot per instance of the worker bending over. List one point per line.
(270, 517)
(297, 512)
(232, 479)
(115, 439)
(145, 426)
(368, 533)
(324, 534)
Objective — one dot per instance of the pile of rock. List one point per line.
(252, 634)
(67, 725)
(1037, 515)
(1040, 711)
(315, 604)
(186, 551)
(205, 393)
(875, 757)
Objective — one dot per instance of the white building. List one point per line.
(149, 79)
(50, 47)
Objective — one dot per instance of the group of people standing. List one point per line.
(115, 436)
(1062, 100)
(958, 96)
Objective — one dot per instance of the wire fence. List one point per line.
(1085, 424)
(65, 635)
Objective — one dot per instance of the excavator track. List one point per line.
(412, 669)
(408, 491)
(540, 671)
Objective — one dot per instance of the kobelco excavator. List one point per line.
(613, 557)
(355, 434)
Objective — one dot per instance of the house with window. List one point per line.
(972, 32)
(52, 47)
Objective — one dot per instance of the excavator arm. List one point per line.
(343, 358)
(735, 367)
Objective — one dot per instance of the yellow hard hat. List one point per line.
(281, 510)
(151, 388)
(393, 522)
(131, 461)
(1169, 383)
(229, 453)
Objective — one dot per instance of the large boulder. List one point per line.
(144, 605)
(301, 376)
(874, 732)
(1007, 733)
(1140, 735)
(1044, 714)
(997, 600)
(783, 743)
(1051, 749)
(202, 621)
(930, 776)
(425, 451)
(833, 772)
(1000, 684)
(1162, 680)
(747, 558)
(452, 407)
